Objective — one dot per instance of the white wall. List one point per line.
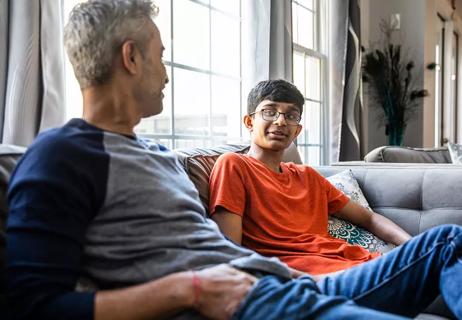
(412, 39)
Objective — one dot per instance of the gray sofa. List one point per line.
(416, 197)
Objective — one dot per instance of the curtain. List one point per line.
(344, 79)
(32, 67)
(267, 41)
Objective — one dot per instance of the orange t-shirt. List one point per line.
(284, 214)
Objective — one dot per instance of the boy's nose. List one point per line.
(281, 119)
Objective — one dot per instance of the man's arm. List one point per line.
(216, 294)
(379, 225)
(230, 224)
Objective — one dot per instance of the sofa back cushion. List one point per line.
(416, 197)
(408, 155)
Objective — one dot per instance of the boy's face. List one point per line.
(270, 131)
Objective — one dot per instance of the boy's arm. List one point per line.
(230, 223)
(379, 225)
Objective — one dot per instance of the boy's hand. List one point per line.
(220, 289)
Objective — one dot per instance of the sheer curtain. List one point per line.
(344, 80)
(31, 69)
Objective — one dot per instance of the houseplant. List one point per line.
(388, 75)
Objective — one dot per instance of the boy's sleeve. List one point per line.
(336, 199)
(227, 185)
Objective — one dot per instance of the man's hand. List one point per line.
(221, 289)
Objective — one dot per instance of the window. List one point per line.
(309, 61)
(202, 103)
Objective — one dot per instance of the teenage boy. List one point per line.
(281, 209)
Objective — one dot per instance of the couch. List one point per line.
(408, 155)
(414, 196)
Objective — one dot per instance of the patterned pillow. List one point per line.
(341, 229)
(455, 151)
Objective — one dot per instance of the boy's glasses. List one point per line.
(292, 117)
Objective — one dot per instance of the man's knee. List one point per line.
(446, 232)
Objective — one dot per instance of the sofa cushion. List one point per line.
(408, 155)
(345, 230)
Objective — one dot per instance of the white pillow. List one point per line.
(341, 229)
(455, 151)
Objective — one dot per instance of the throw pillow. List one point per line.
(341, 229)
(455, 151)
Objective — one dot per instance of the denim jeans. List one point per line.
(397, 285)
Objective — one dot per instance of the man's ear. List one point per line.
(130, 56)
(248, 122)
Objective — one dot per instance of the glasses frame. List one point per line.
(276, 116)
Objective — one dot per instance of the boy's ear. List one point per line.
(248, 122)
(297, 132)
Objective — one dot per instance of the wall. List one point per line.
(412, 38)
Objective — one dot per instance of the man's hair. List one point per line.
(274, 90)
(96, 30)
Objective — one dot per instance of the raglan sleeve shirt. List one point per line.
(54, 193)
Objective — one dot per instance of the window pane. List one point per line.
(161, 123)
(162, 22)
(225, 44)
(314, 156)
(192, 143)
(294, 23)
(191, 34)
(313, 122)
(305, 28)
(192, 102)
(226, 120)
(310, 155)
(230, 6)
(299, 72)
(313, 78)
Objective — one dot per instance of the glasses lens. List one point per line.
(269, 115)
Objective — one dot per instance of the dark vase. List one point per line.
(395, 134)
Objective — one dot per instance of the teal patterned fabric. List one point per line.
(341, 229)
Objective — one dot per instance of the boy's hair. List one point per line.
(97, 28)
(277, 91)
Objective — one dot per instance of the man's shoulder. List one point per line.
(71, 138)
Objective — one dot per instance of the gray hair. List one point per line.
(96, 30)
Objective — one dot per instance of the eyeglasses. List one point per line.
(292, 117)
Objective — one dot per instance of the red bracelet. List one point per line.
(196, 280)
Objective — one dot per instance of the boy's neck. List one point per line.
(270, 158)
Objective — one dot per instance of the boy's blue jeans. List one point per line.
(399, 284)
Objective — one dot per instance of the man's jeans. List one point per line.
(399, 284)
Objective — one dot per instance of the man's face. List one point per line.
(154, 75)
(275, 134)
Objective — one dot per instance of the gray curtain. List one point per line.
(344, 75)
(32, 90)
(267, 51)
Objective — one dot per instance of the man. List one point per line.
(93, 199)
(280, 209)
